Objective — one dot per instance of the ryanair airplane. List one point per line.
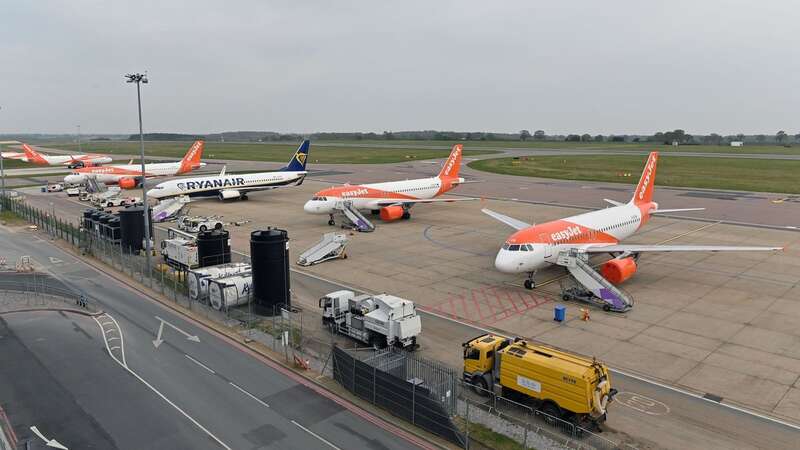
(231, 187)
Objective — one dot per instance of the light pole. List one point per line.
(138, 78)
(3, 177)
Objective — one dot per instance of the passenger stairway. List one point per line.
(353, 217)
(169, 208)
(330, 247)
(597, 289)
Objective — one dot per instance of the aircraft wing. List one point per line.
(510, 221)
(637, 248)
(430, 200)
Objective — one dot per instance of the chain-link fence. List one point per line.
(33, 290)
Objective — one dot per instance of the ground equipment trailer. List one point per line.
(377, 320)
(180, 250)
(560, 384)
(199, 224)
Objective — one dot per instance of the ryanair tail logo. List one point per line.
(300, 157)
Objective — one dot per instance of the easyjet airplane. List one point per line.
(72, 161)
(536, 246)
(129, 176)
(394, 199)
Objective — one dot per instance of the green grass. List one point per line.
(17, 164)
(9, 218)
(762, 175)
(483, 437)
(271, 152)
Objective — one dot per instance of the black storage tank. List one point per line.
(269, 253)
(131, 224)
(95, 220)
(103, 225)
(87, 219)
(213, 248)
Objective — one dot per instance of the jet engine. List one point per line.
(618, 270)
(390, 213)
(229, 194)
(128, 183)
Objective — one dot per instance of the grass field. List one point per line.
(600, 146)
(762, 175)
(271, 152)
(17, 164)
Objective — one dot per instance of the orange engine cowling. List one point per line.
(390, 213)
(618, 270)
(127, 183)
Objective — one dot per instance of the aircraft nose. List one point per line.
(309, 207)
(506, 262)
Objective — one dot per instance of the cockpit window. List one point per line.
(514, 248)
(506, 245)
(524, 247)
(318, 199)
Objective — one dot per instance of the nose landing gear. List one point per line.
(331, 222)
(530, 283)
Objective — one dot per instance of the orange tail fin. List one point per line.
(32, 155)
(453, 163)
(191, 160)
(644, 190)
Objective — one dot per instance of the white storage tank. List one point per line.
(224, 293)
(197, 279)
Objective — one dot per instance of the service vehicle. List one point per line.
(72, 192)
(198, 224)
(560, 384)
(121, 201)
(180, 250)
(57, 187)
(377, 320)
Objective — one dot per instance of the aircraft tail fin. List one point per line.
(32, 155)
(453, 164)
(191, 160)
(298, 161)
(644, 190)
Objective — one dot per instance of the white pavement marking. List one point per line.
(200, 364)
(156, 391)
(49, 442)
(190, 337)
(315, 435)
(248, 394)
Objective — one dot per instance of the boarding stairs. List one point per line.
(93, 186)
(353, 216)
(330, 247)
(169, 208)
(596, 289)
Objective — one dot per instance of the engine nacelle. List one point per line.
(618, 270)
(229, 194)
(390, 213)
(128, 183)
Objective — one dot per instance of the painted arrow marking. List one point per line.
(49, 442)
(158, 341)
(55, 260)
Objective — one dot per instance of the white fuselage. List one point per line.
(538, 246)
(213, 185)
(113, 173)
(55, 160)
(372, 196)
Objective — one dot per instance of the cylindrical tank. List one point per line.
(213, 248)
(269, 253)
(131, 221)
(103, 225)
(197, 279)
(224, 293)
(87, 219)
(95, 220)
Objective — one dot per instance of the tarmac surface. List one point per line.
(79, 385)
(719, 326)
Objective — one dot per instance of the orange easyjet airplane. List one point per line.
(72, 161)
(393, 199)
(129, 176)
(536, 246)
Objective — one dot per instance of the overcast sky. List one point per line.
(302, 66)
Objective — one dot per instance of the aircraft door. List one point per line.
(548, 246)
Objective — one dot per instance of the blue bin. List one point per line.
(560, 313)
(44, 189)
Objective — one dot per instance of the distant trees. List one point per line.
(573, 138)
(780, 136)
(761, 138)
(388, 135)
(586, 137)
(668, 137)
(797, 137)
(713, 139)
(524, 135)
(599, 138)
(740, 137)
(538, 134)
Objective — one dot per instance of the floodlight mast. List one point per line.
(140, 79)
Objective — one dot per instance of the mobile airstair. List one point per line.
(94, 187)
(590, 286)
(330, 247)
(353, 217)
(169, 208)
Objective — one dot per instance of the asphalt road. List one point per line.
(182, 394)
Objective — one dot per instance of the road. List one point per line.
(180, 394)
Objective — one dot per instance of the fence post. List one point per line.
(374, 384)
(466, 419)
(354, 374)
(414, 403)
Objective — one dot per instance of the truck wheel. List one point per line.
(606, 307)
(218, 226)
(480, 385)
(203, 228)
(552, 413)
(565, 297)
(406, 215)
(110, 204)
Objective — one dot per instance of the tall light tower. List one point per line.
(140, 79)
(3, 178)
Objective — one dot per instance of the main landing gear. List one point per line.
(530, 283)
(331, 222)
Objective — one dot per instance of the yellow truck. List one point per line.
(560, 384)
